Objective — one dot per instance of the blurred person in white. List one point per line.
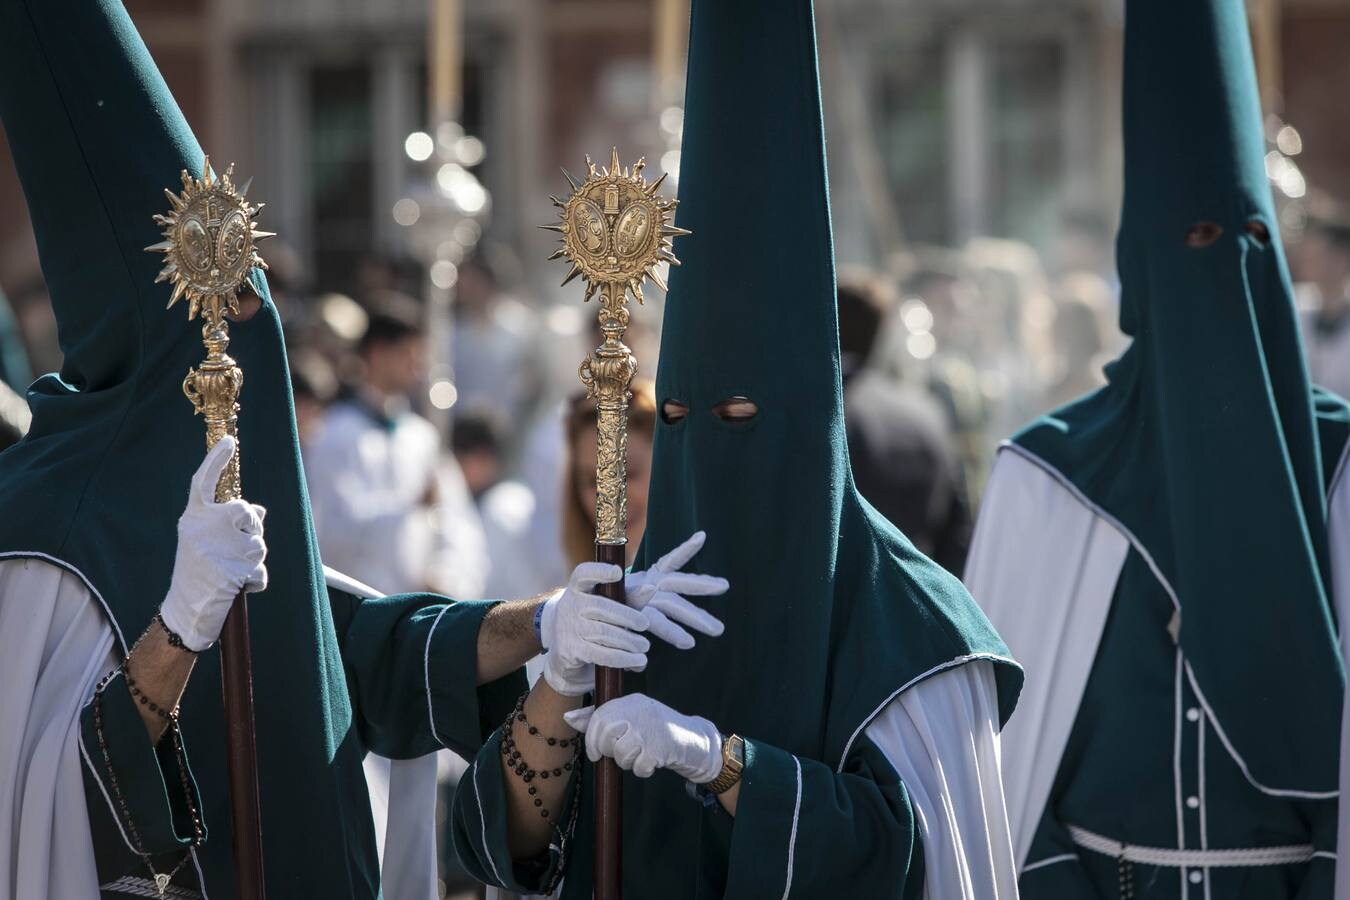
(507, 507)
(1322, 261)
(494, 347)
(389, 507)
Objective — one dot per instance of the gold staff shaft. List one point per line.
(607, 375)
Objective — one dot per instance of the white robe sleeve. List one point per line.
(56, 644)
(942, 738)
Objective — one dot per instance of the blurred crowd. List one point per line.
(488, 489)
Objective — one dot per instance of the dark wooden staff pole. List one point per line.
(236, 675)
(608, 795)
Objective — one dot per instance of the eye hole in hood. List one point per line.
(1203, 234)
(673, 411)
(1258, 232)
(736, 409)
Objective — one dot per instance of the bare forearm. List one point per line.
(729, 798)
(159, 671)
(528, 832)
(506, 638)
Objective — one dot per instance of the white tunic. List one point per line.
(942, 738)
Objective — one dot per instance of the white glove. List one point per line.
(581, 630)
(657, 591)
(220, 553)
(643, 735)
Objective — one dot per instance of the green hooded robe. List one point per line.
(1210, 716)
(98, 483)
(831, 613)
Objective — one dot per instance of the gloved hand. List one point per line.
(220, 553)
(643, 735)
(581, 630)
(657, 591)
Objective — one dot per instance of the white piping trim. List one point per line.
(1324, 854)
(1167, 587)
(482, 822)
(426, 673)
(201, 876)
(93, 770)
(951, 663)
(1204, 818)
(1176, 757)
(796, 816)
(61, 563)
(1050, 861)
(1223, 738)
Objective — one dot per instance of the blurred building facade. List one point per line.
(948, 119)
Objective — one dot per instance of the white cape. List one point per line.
(56, 645)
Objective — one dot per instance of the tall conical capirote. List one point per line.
(1203, 443)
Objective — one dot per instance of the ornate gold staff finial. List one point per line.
(209, 247)
(615, 230)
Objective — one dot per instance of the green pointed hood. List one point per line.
(102, 476)
(831, 610)
(1203, 444)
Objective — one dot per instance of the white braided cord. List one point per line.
(1191, 859)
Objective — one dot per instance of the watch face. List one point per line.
(737, 747)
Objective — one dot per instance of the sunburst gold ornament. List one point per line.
(209, 247)
(615, 227)
(616, 230)
(210, 241)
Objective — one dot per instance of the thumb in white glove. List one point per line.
(220, 553)
(658, 592)
(581, 630)
(643, 735)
